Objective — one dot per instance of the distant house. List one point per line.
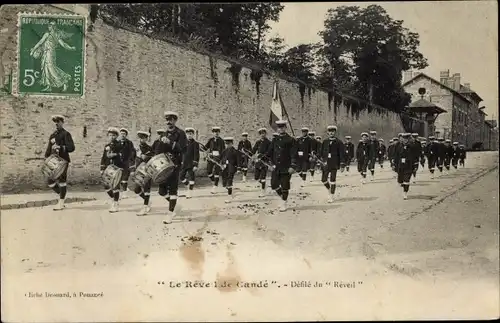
(463, 120)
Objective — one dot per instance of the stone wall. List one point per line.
(130, 80)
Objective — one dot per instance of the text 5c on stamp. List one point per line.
(51, 55)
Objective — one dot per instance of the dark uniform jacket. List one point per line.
(230, 158)
(404, 157)
(215, 147)
(462, 153)
(448, 151)
(246, 145)
(283, 152)
(261, 147)
(424, 152)
(304, 147)
(333, 153)
(364, 151)
(155, 143)
(441, 150)
(127, 152)
(113, 147)
(433, 150)
(315, 146)
(374, 148)
(191, 157)
(417, 148)
(381, 150)
(390, 151)
(64, 141)
(146, 152)
(456, 153)
(177, 146)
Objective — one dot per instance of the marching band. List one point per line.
(174, 157)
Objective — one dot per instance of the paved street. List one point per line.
(377, 256)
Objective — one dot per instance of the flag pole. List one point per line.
(284, 109)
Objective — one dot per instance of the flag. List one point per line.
(278, 111)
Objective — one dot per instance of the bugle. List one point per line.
(313, 155)
(205, 150)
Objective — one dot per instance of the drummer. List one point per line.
(145, 154)
(61, 144)
(173, 143)
(111, 156)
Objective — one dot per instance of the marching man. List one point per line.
(404, 160)
(304, 150)
(230, 159)
(173, 143)
(244, 147)
(215, 146)
(145, 154)
(111, 156)
(332, 154)
(61, 144)
(282, 153)
(260, 151)
(363, 155)
(349, 152)
(190, 161)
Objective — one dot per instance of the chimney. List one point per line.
(443, 76)
(456, 81)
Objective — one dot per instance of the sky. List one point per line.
(460, 36)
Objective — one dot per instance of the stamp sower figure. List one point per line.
(404, 160)
(374, 147)
(61, 144)
(127, 154)
(173, 143)
(332, 153)
(432, 154)
(282, 153)
(363, 155)
(215, 146)
(244, 145)
(145, 154)
(259, 150)
(230, 159)
(349, 152)
(303, 154)
(190, 162)
(111, 156)
(381, 152)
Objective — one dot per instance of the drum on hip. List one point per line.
(54, 166)
(159, 168)
(141, 176)
(112, 176)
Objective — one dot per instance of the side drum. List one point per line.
(112, 176)
(141, 176)
(54, 166)
(159, 168)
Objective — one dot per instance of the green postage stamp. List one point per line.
(50, 55)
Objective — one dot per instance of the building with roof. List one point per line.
(460, 117)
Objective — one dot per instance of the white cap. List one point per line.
(281, 122)
(145, 133)
(161, 130)
(189, 129)
(170, 113)
(57, 117)
(244, 133)
(124, 130)
(228, 139)
(215, 128)
(373, 132)
(113, 130)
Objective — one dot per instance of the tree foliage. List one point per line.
(363, 51)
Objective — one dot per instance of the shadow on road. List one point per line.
(315, 207)
(421, 197)
(355, 198)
